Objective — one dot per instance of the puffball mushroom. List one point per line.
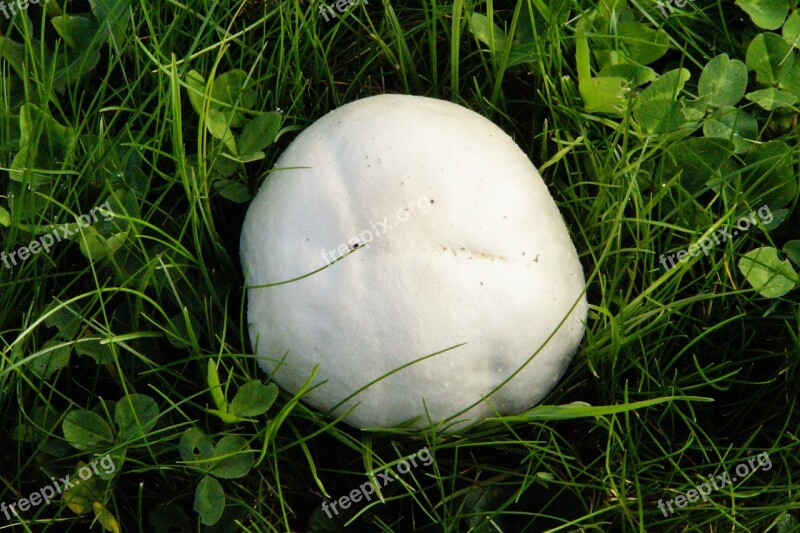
(406, 226)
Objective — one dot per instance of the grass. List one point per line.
(713, 363)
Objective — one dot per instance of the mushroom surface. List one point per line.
(397, 227)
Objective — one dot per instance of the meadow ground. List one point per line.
(133, 134)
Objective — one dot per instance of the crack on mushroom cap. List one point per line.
(459, 249)
(472, 253)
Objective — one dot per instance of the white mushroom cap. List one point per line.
(467, 248)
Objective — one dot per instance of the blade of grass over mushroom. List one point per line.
(393, 371)
(549, 338)
(583, 409)
(278, 283)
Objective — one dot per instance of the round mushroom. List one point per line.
(408, 248)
